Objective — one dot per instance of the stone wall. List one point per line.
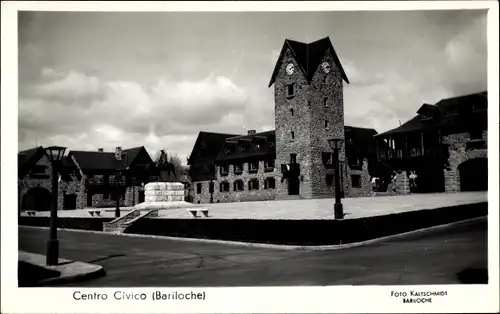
(365, 189)
(286, 123)
(64, 187)
(132, 195)
(164, 192)
(27, 182)
(308, 123)
(238, 196)
(458, 154)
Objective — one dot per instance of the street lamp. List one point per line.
(338, 208)
(55, 155)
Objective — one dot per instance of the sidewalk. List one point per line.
(65, 271)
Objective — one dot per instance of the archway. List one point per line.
(474, 174)
(36, 199)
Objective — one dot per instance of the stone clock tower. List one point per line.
(309, 110)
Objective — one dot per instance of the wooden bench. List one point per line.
(93, 212)
(195, 211)
(31, 212)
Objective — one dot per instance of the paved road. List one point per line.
(430, 258)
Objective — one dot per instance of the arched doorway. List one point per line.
(36, 199)
(474, 175)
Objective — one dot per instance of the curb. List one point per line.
(93, 270)
(74, 278)
(285, 247)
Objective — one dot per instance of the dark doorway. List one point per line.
(69, 201)
(36, 199)
(474, 175)
(141, 197)
(89, 199)
(293, 185)
(430, 178)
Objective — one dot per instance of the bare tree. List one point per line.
(172, 163)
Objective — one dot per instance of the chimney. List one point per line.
(251, 132)
(100, 150)
(118, 153)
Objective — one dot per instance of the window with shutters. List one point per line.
(224, 186)
(253, 166)
(269, 183)
(238, 168)
(238, 185)
(253, 184)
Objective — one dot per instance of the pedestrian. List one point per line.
(413, 181)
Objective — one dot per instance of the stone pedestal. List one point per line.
(164, 192)
(164, 195)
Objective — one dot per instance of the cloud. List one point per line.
(65, 106)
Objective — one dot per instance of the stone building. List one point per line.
(444, 144)
(294, 160)
(87, 178)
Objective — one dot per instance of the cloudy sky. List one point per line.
(104, 79)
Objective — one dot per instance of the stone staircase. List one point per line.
(120, 224)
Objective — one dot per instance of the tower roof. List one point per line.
(308, 56)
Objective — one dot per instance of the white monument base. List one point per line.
(163, 195)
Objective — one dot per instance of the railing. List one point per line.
(388, 154)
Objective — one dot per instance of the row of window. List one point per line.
(253, 167)
(269, 183)
(238, 185)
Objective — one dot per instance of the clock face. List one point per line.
(326, 67)
(289, 69)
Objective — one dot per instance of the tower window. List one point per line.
(329, 179)
(327, 124)
(293, 135)
(325, 102)
(291, 112)
(290, 90)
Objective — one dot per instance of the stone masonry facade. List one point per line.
(245, 195)
(304, 121)
(459, 154)
(318, 115)
(71, 187)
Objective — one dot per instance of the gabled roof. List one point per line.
(91, 160)
(452, 104)
(308, 56)
(450, 112)
(28, 158)
(266, 141)
(207, 147)
(360, 139)
(428, 109)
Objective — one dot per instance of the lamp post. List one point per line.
(55, 155)
(338, 207)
